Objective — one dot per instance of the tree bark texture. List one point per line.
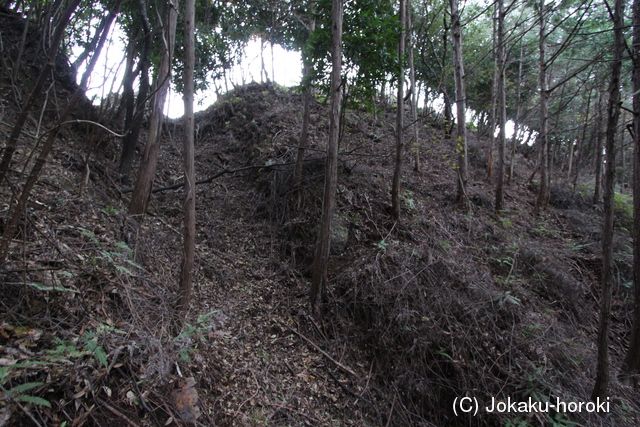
(397, 172)
(147, 172)
(306, 114)
(581, 142)
(458, 68)
(543, 132)
(321, 258)
(134, 112)
(414, 91)
(598, 148)
(502, 105)
(602, 370)
(186, 279)
(514, 138)
(494, 97)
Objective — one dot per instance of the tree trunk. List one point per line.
(18, 61)
(414, 91)
(142, 189)
(581, 144)
(448, 114)
(273, 67)
(321, 258)
(263, 70)
(536, 167)
(514, 138)
(306, 115)
(543, 191)
(502, 106)
(570, 166)
(106, 20)
(189, 168)
(621, 132)
(494, 95)
(397, 172)
(133, 122)
(11, 143)
(461, 146)
(598, 148)
(602, 370)
(631, 364)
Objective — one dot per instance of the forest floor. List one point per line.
(444, 304)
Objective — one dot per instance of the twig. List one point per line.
(115, 412)
(95, 124)
(140, 396)
(219, 174)
(295, 411)
(27, 413)
(391, 410)
(324, 353)
(252, 396)
(349, 391)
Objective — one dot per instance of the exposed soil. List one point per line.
(445, 304)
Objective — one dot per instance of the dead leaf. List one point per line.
(5, 415)
(4, 361)
(186, 400)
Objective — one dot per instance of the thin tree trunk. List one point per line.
(581, 143)
(543, 191)
(11, 143)
(494, 95)
(536, 167)
(147, 172)
(502, 107)
(570, 166)
(106, 20)
(461, 146)
(18, 62)
(306, 115)
(189, 167)
(621, 126)
(263, 70)
(448, 114)
(273, 69)
(598, 148)
(397, 172)
(514, 139)
(602, 370)
(133, 122)
(12, 226)
(414, 91)
(321, 259)
(631, 364)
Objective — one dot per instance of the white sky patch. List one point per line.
(286, 67)
(109, 71)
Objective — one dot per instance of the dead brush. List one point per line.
(407, 305)
(97, 325)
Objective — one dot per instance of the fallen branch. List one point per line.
(115, 412)
(349, 391)
(218, 175)
(324, 353)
